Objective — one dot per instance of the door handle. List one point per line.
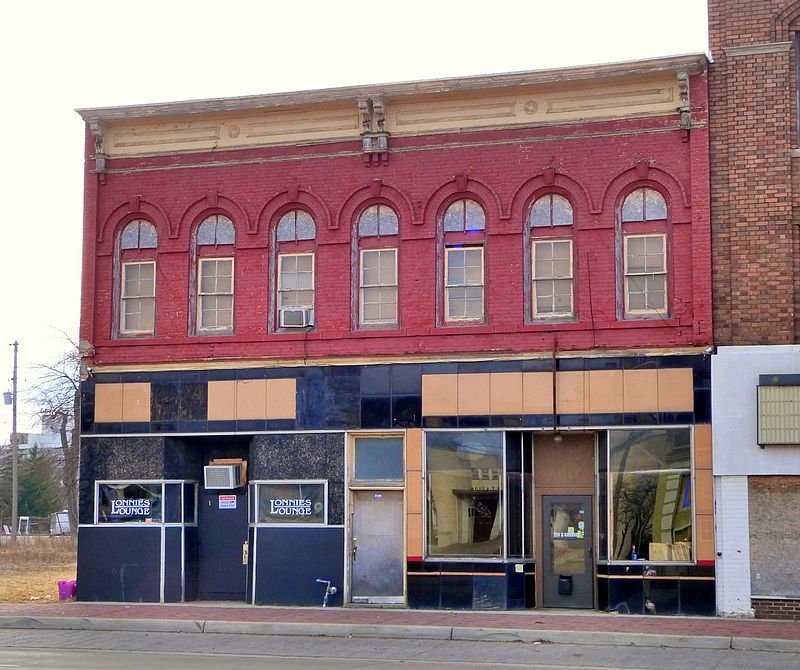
(355, 548)
(245, 552)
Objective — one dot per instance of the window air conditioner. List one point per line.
(222, 476)
(296, 317)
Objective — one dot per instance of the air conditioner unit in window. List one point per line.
(222, 476)
(296, 317)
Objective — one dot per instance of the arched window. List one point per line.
(551, 210)
(295, 234)
(644, 238)
(463, 216)
(552, 293)
(216, 237)
(644, 204)
(463, 233)
(377, 275)
(137, 280)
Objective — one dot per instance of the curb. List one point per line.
(343, 630)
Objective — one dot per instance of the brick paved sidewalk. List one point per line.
(526, 620)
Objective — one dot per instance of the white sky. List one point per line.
(58, 55)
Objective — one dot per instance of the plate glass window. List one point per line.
(129, 503)
(378, 459)
(292, 503)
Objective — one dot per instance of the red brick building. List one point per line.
(451, 333)
(754, 163)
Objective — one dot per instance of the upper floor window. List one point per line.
(464, 284)
(552, 278)
(377, 221)
(295, 226)
(136, 299)
(378, 289)
(644, 204)
(551, 210)
(139, 234)
(463, 216)
(295, 237)
(645, 274)
(215, 275)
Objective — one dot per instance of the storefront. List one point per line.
(435, 485)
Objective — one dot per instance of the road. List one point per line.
(105, 650)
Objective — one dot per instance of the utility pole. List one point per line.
(14, 450)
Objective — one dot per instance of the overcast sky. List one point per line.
(58, 55)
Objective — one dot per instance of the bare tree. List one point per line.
(56, 395)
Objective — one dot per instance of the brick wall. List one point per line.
(594, 166)
(755, 267)
(777, 608)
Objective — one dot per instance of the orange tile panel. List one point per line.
(505, 393)
(414, 492)
(473, 394)
(704, 492)
(251, 399)
(414, 534)
(281, 398)
(439, 395)
(702, 446)
(605, 391)
(108, 403)
(537, 393)
(640, 390)
(675, 390)
(414, 449)
(136, 401)
(571, 392)
(222, 400)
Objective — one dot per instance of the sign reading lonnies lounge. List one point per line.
(291, 503)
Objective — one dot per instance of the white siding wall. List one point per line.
(733, 543)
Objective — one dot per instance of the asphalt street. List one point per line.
(121, 650)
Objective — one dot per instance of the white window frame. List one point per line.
(362, 286)
(571, 278)
(447, 286)
(122, 298)
(200, 295)
(627, 275)
(279, 302)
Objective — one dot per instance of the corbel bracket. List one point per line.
(374, 137)
(684, 109)
(99, 154)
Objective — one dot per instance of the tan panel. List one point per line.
(136, 401)
(537, 393)
(414, 449)
(414, 492)
(705, 537)
(571, 392)
(473, 394)
(675, 390)
(704, 492)
(251, 399)
(414, 535)
(505, 392)
(605, 391)
(221, 400)
(256, 129)
(640, 390)
(702, 446)
(108, 403)
(281, 398)
(439, 395)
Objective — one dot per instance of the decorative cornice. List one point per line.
(754, 49)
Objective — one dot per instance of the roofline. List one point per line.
(693, 63)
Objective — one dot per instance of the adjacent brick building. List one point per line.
(754, 168)
(444, 343)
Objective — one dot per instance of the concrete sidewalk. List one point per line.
(526, 626)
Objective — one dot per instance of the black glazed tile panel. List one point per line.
(406, 411)
(376, 412)
(406, 379)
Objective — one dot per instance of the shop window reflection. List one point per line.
(464, 478)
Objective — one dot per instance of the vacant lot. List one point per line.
(31, 567)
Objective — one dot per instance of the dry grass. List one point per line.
(31, 567)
